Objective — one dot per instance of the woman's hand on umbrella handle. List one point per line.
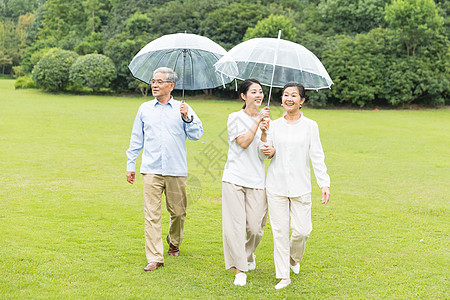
(325, 195)
(264, 125)
(265, 113)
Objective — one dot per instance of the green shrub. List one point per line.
(52, 70)
(94, 71)
(24, 82)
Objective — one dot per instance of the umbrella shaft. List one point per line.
(184, 73)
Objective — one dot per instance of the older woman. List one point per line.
(244, 205)
(295, 140)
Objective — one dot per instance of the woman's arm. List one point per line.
(318, 163)
(246, 139)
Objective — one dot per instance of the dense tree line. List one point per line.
(378, 52)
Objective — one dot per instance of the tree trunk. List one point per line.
(93, 20)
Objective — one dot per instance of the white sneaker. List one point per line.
(252, 264)
(240, 279)
(283, 283)
(296, 268)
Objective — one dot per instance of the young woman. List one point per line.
(295, 140)
(244, 205)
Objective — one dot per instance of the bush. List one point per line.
(416, 80)
(52, 70)
(93, 71)
(24, 82)
(356, 66)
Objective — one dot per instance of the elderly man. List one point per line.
(160, 128)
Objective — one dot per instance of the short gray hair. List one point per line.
(170, 74)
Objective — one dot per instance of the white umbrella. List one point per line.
(274, 62)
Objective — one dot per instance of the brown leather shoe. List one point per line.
(173, 250)
(153, 266)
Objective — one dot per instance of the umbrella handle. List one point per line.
(189, 120)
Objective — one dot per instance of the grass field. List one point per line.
(72, 227)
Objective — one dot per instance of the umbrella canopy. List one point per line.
(274, 62)
(189, 54)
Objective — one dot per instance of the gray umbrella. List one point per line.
(191, 56)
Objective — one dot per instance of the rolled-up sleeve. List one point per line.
(136, 142)
(235, 127)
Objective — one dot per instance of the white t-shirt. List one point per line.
(244, 167)
(295, 144)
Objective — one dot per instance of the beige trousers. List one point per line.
(299, 209)
(174, 188)
(244, 215)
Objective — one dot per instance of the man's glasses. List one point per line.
(159, 81)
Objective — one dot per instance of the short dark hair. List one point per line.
(245, 86)
(301, 89)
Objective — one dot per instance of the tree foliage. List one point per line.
(416, 22)
(364, 44)
(270, 26)
(350, 16)
(228, 24)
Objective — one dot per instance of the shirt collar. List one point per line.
(170, 102)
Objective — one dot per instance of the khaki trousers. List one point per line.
(174, 187)
(299, 209)
(244, 215)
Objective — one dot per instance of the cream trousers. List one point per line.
(299, 210)
(244, 215)
(174, 188)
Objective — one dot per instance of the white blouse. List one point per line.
(244, 167)
(289, 171)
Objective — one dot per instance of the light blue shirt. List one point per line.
(161, 133)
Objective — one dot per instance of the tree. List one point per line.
(13, 9)
(122, 50)
(52, 71)
(415, 79)
(228, 24)
(9, 45)
(94, 71)
(415, 21)
(96, 12)
(60, 26)
(357, 65)
(93, 43)
(23, 24)
(138, 24)
(270, 26)
(350, 16)
(5, 61)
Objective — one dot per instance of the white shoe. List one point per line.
(252, 264)
(283, 283)
(240, 279)
(296, 268)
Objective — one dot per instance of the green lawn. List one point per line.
(72, 227)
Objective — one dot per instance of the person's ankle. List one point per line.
(292, 261)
